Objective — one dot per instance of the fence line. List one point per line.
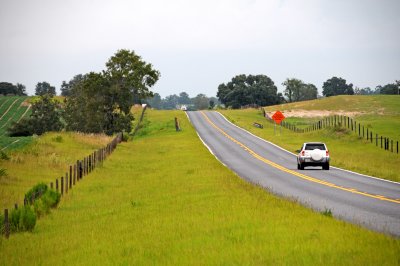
(345, 122)
(80, 169)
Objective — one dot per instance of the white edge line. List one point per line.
(373, 177)
(205, 144)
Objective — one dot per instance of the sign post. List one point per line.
(278, 117)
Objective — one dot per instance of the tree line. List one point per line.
(183, 100)
(260, 90)
(94, 102)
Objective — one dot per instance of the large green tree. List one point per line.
(8, 88)
(184, 98)
(130, 78)
(296, 90)
(391, 88)
(101, 102)
(201, 102)
(44, 87)
(337, 86)
(245, 90)
(66, 87)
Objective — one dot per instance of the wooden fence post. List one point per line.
(57, 184)
(6, 224)
(177, 127)
(391, 145)
(77, 170)
(16, 206)
(74, 173)
(66, 183)
(62, 185)
(70, 176)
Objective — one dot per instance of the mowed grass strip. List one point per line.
(164, 199)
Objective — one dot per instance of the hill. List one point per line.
(381, 113)
(12, 109)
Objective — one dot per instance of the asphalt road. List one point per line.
(367, 201)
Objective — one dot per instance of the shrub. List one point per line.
(22, 219)
(14, 220)
(3, 172)
(40, 208)
(41, 187)
(23, 128)
(51, 198)
(27, 219)
(4, 156)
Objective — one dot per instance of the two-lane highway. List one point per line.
(368, 201)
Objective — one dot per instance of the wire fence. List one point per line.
(345, 122)
(73, 175)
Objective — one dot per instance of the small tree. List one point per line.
(45, 117)
(337, 86)
(201, 102)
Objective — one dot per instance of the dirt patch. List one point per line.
(316, 113)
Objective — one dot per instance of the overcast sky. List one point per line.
(197, 45)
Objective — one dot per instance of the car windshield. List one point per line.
(313, 146)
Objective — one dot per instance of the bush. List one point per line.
(22, 219)
(51, 198)
(14, 220)
(40, 208)
(3, 172)
(41, 187)
(23, 128)
(4, 156)
(27, 219)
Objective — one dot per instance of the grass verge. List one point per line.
(164, 199)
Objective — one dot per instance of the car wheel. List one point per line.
(326, 166)
(298, 166)
(301, 166)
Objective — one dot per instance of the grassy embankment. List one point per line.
(43, 160)
(164, 199)
(380, 113)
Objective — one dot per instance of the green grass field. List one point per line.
(164, 199)
(12, 109)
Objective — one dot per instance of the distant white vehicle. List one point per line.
(183, 108)
(313, 154)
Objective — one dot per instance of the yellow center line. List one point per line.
(284, 169)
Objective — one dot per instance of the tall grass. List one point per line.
(164, 199)
(43, 160)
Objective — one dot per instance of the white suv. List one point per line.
(313, 154)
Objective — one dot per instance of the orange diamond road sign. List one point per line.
(278, 117)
